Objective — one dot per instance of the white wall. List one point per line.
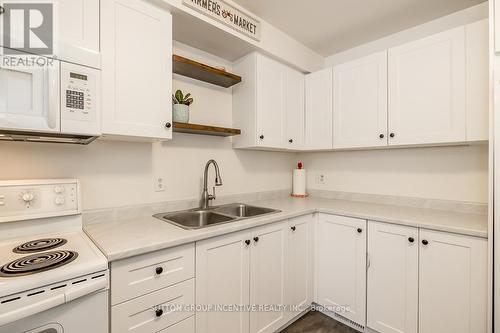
(447, 173)
(450, 173)
(121, 173)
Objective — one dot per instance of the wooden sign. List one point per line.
(227, 14)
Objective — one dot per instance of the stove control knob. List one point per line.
(28, 197)
(59, 189)
(59, 201)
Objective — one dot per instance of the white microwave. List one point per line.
(46, 100)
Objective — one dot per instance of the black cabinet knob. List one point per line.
(168, 125)
(159, 270)
(261, 137)
(256, 239)
(2, 10)
(411, 239)
(294, 228)
(360, 230)
(392, 135)
(247, 242)
(159, 312)
(381, 136)
(425, 242)
(291, 140)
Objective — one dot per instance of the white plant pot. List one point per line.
(181, 113)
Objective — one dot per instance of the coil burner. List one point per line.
(39, 245)
(37, 263)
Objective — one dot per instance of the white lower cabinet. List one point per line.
(392, 287)
(253, 268)
(299, 289)
(385, 277)
(452, 283)
(154, 312)
(267, 277)
(425, 281)
(147, 290)
(341, 266)
(223, 278)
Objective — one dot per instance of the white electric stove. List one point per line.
(53, 279)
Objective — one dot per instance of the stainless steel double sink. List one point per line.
(202, 218)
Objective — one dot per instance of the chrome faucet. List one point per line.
(206, 197)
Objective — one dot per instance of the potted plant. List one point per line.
(181, 105)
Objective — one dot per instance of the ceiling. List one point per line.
(331, 26)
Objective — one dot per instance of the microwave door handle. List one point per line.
(52, 95)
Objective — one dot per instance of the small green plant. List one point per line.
(179, 98)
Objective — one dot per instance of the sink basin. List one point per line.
(202, 218)
(242, 210)
(195, 219)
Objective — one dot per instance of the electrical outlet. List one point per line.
(159, 184)
(321, 179)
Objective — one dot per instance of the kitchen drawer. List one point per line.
(185, 326)
(143, 274)
(140, 315)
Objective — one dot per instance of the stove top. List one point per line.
(58, 257)
(41, 237)
(39, 245)
(37, 263)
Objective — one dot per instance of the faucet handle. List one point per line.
(212, 196)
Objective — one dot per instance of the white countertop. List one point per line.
(129, 237)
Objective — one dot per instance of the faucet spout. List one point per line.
(206, 197)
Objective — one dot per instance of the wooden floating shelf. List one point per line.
(196, 70)
(205, 130)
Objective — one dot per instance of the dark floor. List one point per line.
(316, 322)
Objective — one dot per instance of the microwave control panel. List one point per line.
(79, 98)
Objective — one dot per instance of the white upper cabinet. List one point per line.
(294, 110)
(136, 71)
(318, 113)
(268, 105)
(341, 266)
(477, 54)
(271, 77)
(79, 32)
(392, 287)
(453, 279)
(427, 90)
(360, 102)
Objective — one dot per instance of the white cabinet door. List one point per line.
(318, 127)
(271, 77)
(79, 32)
(360, 102)
(299, 290)
(341, 266)
(477, 55)
(267, 277)
(222, 277)
(427, 90)
(294, 111)
(136, 69)
(453, 283)
(392, 287)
